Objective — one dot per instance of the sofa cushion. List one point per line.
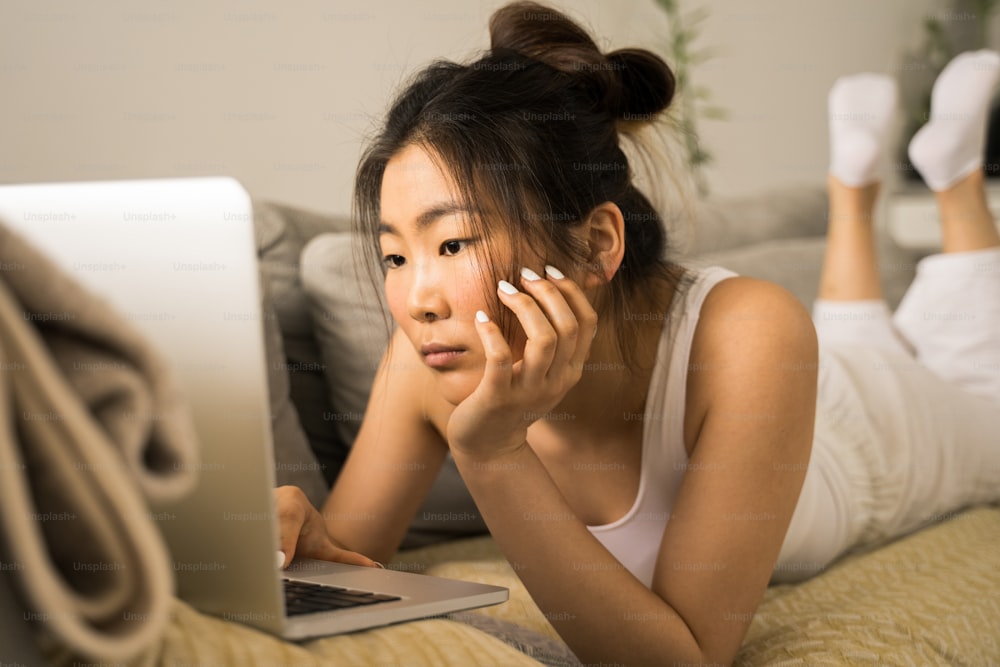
(721, 224)
(282, 232)
(294, 462)
(796, 263)
(353, 326)
(792, 263)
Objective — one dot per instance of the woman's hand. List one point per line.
(560, 324)
(303, 531)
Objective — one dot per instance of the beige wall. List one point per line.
(280, 95)
(777, 61)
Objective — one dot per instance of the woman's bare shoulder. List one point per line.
(754, 298)
(748, 329)
(740, 308)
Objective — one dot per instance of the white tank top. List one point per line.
(634, 539)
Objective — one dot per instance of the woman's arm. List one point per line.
(751, 430)
(391, 467)
(755, 390)
(394, 460)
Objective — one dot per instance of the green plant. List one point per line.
(985, 9)
(693, 101)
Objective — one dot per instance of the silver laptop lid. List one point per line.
(177, 258)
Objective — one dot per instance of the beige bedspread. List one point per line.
(932, 598)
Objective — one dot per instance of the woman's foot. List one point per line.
(950, 146)
(861, 108)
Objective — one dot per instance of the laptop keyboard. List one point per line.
(303, 597)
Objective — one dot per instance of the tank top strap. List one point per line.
(668, 385)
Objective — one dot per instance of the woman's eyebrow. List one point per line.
(428, 217)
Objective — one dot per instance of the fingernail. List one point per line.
(553, 272)
(379, 565)
(528, 274)
(506, 287)
(482, 317)
(280, 559)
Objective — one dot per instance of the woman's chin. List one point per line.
(456, 387)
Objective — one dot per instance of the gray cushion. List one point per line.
(351, 325)
(294, 462)
(795, 264)
(792, 263)
(738, 222)
(780, 235)
(282, 232)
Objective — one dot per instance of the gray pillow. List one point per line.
(737, 222)
(792, 263)
(293, 458)
(347, 319)
(282, 232)
(347, 311)
(796, 264)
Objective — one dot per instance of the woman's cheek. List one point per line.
(395, 298)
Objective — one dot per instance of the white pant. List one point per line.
(949, 320)
(908, 418)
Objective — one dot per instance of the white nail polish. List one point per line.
(482, 317)
(553, 272)
(280, 559)
(528, 274)
(507, 288)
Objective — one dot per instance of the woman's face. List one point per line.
(434, 284)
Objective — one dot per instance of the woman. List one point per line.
(636, 435)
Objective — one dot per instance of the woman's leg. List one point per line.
(951, 313)
(923, 448)
(850, 266)
(948, 150)
(849, 307)
(966, 221)
(949, 146)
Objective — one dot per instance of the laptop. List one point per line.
(177, 258)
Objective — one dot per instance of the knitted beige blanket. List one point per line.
(91, 427)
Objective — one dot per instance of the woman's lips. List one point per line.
(440, 356)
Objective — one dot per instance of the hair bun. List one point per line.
(632, 84)
(646, 84)
(543, 34)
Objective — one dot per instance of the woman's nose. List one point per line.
(427, 300)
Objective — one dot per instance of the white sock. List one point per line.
(950, 145)
(861, 107)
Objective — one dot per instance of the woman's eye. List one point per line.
(452, 247)
(393, 261)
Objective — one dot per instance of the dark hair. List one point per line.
(531, 131)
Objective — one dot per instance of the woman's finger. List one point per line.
(542, 339)
(583, 313)
(302, 531)
(499, 359)
(562, 317)
(326, 550)
(291, 508)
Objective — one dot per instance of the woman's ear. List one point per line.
(606, 238)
